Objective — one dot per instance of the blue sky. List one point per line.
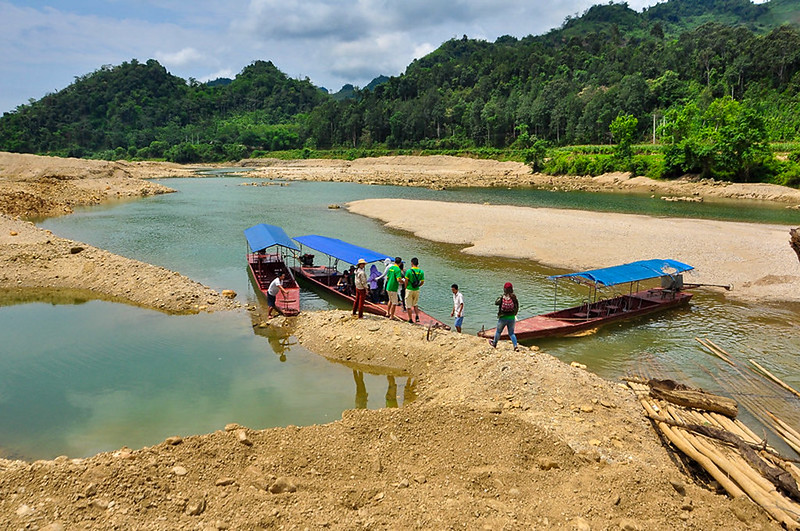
(47, 44)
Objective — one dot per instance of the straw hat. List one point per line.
(361, 261)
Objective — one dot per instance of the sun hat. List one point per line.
(361, 261)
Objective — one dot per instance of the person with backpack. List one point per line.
(415, 278)
(508, 306)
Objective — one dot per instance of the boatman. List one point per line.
(393, 278)
(361, 288)
(272, 292)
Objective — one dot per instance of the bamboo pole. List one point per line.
(678, 439)
(717, 347)
(713, 351)
(775, 378)
(745, 480)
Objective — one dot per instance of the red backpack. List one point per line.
(507, 304)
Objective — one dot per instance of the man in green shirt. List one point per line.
(415, 278)
(393, 279)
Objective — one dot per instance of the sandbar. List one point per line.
(755, 258)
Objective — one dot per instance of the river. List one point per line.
(78, 377)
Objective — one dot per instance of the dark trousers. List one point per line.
(358, 304)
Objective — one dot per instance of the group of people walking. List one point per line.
(402, 289)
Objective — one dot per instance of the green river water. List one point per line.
(78, 376)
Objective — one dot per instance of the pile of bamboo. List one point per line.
(730, 452)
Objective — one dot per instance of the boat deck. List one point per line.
(579, 319)
(264, 267)
(326, 278)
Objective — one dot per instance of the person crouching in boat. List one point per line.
(508, 306)
(272, 293)
(361, 288)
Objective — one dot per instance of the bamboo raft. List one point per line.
(741, 462)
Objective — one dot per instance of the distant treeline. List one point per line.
(715, 95)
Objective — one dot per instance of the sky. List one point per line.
(47, 44)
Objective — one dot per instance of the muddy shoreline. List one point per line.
(496, 439)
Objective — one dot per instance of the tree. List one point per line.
(623, 131)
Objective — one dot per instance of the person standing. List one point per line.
(402, 290)
(458, 307)
(508, 306)
(361, 288)
(415, 278)
(393, 278)
(272, 292)
(381, 280)
(372, 281)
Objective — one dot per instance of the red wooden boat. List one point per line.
(326, 278)
(597, 311)
(268, 248)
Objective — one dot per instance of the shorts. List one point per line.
(459, 320)
(412, 298)
(393, 298)
(271, 300)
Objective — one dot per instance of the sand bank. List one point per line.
(35, 259)
(757, 259)
(441, 172)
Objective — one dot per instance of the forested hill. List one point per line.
(140, 110)
(672, 63)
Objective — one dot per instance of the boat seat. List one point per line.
(581, 314)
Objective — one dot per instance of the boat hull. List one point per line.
(264, 268)
(324, 279)
(576, 320)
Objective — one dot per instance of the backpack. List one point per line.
(415, 280)
(507, 304)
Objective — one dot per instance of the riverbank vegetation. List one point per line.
(712, 87)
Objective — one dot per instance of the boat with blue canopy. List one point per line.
(268, 249)
(330, 280)
(604, 303)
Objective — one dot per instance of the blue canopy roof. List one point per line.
(262, 236)
(347, 252)
(632, 272)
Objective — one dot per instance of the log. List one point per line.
(794, 240)
(694, 398)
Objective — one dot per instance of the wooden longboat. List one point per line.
(325, 278)
(268, 248)
(597, 311)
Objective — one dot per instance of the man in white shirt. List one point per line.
(272, 292)
(458, 307)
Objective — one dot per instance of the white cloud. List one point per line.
(184, 57)
(332, 42)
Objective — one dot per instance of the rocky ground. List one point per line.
(496, 439)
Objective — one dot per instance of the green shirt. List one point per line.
(392, 277)
(412, 274)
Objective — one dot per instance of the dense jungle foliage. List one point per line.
(709, 83)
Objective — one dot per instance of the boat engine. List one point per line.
(307, 260)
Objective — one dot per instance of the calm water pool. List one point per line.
(80, 378)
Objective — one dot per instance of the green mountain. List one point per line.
(563, 87)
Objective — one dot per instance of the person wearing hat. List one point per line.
(508, 306)
(361, 288)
